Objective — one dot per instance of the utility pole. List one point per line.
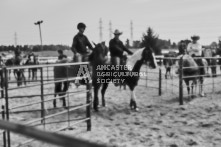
(39, 24)
(15, 35)
(219, 42)
(131, 32)
(100, 28)
(110, 30)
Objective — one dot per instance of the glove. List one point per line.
(76, 54)
(125, 53)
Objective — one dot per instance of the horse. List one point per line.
(192, 72)
(61, 75)
(18, 73)
(98, 59)
(32, 72)
(168, 62)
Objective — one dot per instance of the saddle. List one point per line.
(200, 63)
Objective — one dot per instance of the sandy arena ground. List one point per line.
(161, 121)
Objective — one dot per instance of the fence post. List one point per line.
(47, 71)
(88, 108)
(5, 71)
(42, 98)
(181, 81)
(4, 133)
(160, 82)
(146, 75)
(3, 104)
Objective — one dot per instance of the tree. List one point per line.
(151, 39)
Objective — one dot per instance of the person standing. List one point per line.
(18, 57)
(81, 45)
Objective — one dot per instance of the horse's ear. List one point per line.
(94, 43)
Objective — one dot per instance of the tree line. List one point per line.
(34, 48)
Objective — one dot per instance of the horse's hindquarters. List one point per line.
(70, 71)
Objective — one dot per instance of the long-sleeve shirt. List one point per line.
(194, 48)
(117, 48)
(80, 44)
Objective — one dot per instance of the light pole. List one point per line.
(39, 24)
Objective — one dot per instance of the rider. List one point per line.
(80, 44)
(117, 50)
(194, 49)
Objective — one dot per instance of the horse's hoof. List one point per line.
(202, 94)
(96, 110)
(136, 109)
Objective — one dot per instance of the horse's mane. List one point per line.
(133, 59)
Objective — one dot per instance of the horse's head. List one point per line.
(148, 56)
(99, 52)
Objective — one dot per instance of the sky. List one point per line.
(170, 19)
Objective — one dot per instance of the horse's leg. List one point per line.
(9, 74)
(29, 74)
(23, 76)
(166, 73)
(133, 103)
(192, 87)
(201, 87)
(103, 90)
(35, 74)
(169, 70)
(187, 86)
(57, 89)
(15, 74)
(96, 100)
(125, 85)
(65, 89)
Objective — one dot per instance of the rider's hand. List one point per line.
(76, 54)
(125, 53)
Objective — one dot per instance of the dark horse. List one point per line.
(98, 58)
(62, 76)
(18, 73)
(192, 72)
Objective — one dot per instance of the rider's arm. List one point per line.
(73, 47)
(88, 43)
(126, 49)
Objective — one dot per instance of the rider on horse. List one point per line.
(80, 44)
(194, 49)
(117, 50)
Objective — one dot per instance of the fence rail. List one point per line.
(6, 96)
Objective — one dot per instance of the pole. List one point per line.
(42, 99)
(160, 81)
(88, 101)
(40, 36)
(39, 24)
(5, 71)
(3, 106)
(181, 81)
